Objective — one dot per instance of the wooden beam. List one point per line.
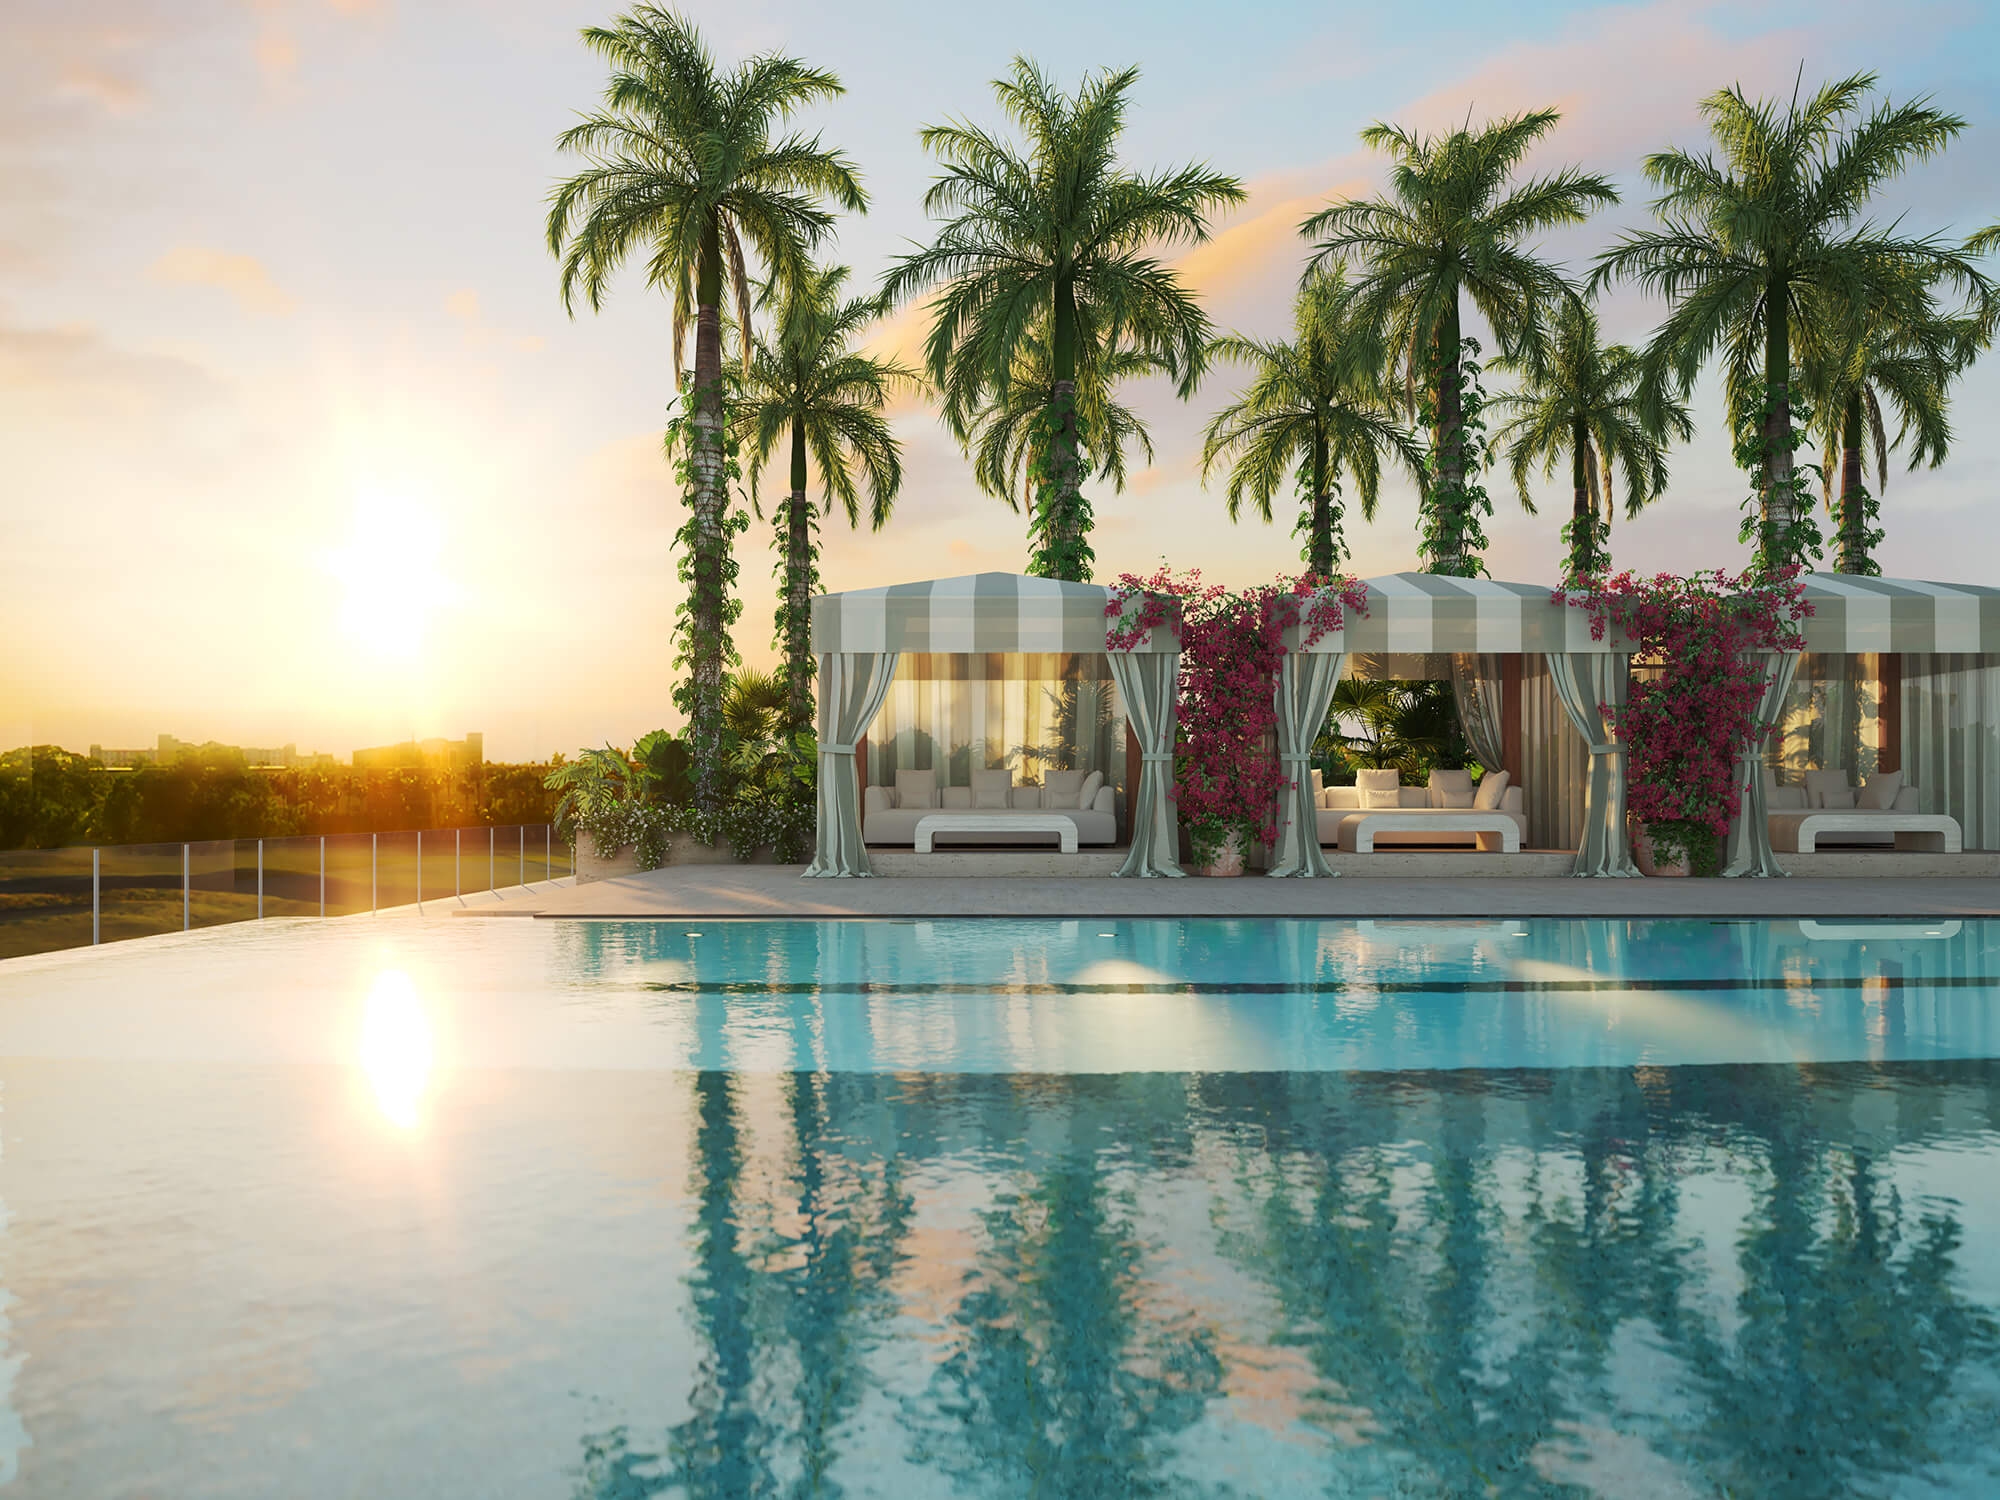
(1510, 718)
(1888, 711)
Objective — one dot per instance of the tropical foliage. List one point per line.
(809, 386)
(1579, 400)
(1054, 238)
(1453, 226)
(1758, 235)
(1378, 723)
(684, 169)
(1315, 406)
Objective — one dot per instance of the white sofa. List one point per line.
(1886, 803)
(1335, 804)
(889, 815)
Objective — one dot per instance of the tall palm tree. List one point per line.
(1854, 361)
(1751, 236)
(1580, 399)
(684, 170)
(808, 383)
(1316, 406)
(1057, 240)
(1453, 225)
(1001, 429)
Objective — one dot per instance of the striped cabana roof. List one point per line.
(1427, 612)
(978, 613)
(1852, 613)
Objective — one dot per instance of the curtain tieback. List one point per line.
(1166, 755)
(836, 747)
(1607, 749)
(1302, 758)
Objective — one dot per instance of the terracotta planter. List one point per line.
(1642, 853)
(1229, 861)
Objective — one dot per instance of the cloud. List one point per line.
(118, 94)
(242, 276)
(463, 305)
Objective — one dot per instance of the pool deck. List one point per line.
(716, 891)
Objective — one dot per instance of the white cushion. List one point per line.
(1784, 798)
(990, 788)
(1879, 791)
(1456, 799)
(1492, 787)
(1319, 786)
(916, 789)
(1840, 801)
(1025, 796)
(955, 798)
(1060, 789)
(1092, 785)
(1446, 784)
(1380, 788)
(1819, 783)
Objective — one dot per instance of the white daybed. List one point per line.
(890, 815)
(1449, 810)
(1882, 811)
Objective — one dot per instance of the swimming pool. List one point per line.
(553, 1209)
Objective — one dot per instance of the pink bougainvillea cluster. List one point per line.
(1684, 724)
(1226, 778)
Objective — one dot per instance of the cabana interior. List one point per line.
(998, 670)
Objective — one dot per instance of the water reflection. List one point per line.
(395, 1050)
(1740, 1280)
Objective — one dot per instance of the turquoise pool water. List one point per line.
(617, 1210)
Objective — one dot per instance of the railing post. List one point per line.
(522, 834)
(94, 927)
(186, 920)
(322, 874)
(458, 864)
(260, 880)
(420, 869)
(374, 871)
(491, 888)
(548, 853)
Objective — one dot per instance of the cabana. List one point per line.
(859, 637)
(1907, 673)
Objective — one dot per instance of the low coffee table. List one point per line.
(932, 824)
(1492, 832)
(1800, 832)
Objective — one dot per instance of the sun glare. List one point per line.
(396, 1051)
(391, 573)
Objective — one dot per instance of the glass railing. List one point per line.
(71, 898)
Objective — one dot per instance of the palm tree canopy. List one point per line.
(808, 371)
(1000, 430)
(1575, 380)
(1322, 387)
(678, 149)
(1059, 220)
(1450, 224)
(1776, 217)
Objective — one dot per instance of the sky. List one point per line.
(298, 445)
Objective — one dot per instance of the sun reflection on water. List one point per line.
(396, 1051)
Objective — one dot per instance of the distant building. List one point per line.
(436, 755)
(169, 750)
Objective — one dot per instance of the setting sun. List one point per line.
(391, 573)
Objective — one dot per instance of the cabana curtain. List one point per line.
(1149, 682)
(1475, 693)
(1585, 682)
(1747, 848)
(852, 685)
(1304, 694)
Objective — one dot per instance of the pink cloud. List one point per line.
(243, 276)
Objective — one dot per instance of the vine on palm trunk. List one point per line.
(1322, 522)
(706, 563)
(1796, 543)
(1452, 532)
(1858, 535)
(1060, 527)
(797, 573)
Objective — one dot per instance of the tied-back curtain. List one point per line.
(1303, 695)
(1475, 693)
(1149, 683)
(1586, 682)
(1747, 850)
(1951, 739)
(851, 689)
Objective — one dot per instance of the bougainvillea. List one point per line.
(1687, 719)
(1226, 778)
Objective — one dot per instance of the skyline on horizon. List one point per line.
(304, 450)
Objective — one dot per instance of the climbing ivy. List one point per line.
(1588, 543)
(1857, 534)
(1452, 530)
(1315, 523)
(797, 573)
(1059, 529)
(1796, 544)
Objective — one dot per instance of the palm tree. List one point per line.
(809, 384)
(1749, 240)
(1579, 398)
(1057, 241)
(683, 168)
(1451, 226)
(1314, 405)
(1001, 431)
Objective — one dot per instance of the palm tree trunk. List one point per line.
(800, 585)
(710, 541)
(1319, 561)
(1780, 504)
(1446, 527)
(1583, 559)
(1853, 509)
(1065, 548)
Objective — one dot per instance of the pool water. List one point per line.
(1175, 1208)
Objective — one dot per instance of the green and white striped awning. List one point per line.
(979, 613)
(1856, 614)
(1426, 612)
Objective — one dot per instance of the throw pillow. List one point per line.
(1092, 785)
(1380, 788)
(1820, 783)
(1458, 799)
(1839, 801)
(1447, 785)
(916, 789)
(990, 788)
(1025, 797)
(1492, 789)
(1060, 789)
(1878, 792)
